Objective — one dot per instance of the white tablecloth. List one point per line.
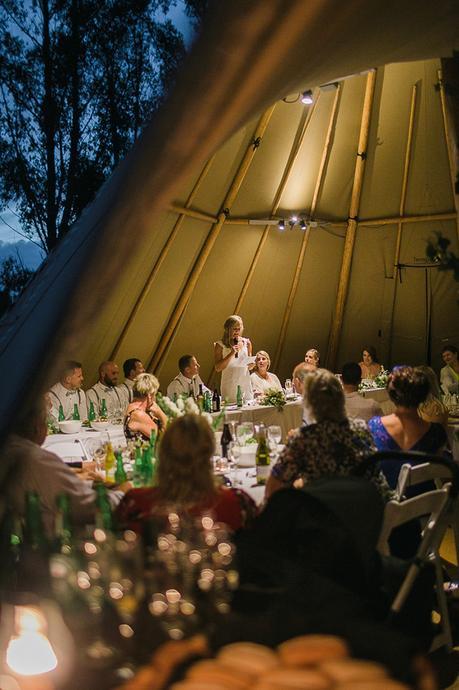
(71, 447)
(381, 396)
(289, 417)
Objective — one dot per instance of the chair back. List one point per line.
(411, 475)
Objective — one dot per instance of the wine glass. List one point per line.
(233, 455)
(275, 437)
(288, 387)
(244, 431)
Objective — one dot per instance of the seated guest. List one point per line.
(312, 357)
(131, 368)
(36, 469)
(369, 365)
(187, 380)
(404, 429)
(449, 374)
(67, 392)
(185, 480)
(299, 374)
(143, 414)
(433, 408)
(107, 389)
(330, 446)
(356, 405)
(262, 379)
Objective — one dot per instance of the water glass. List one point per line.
(275, 433)
(288, 387)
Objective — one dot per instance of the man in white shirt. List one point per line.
(34, 469)
(67, 392)
(131, 368)
(357, 407)
(188, 380)
(107, 389)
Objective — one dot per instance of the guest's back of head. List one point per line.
(351, 374)
(408, 386)
(145, 384)
(434, 385)
(184, 473)
(324, 397)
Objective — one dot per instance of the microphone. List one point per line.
(235, 342)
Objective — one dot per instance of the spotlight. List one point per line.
(294, 219)
(306, 98)
(281, 224)
(303, 224)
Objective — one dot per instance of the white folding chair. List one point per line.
(432, 506)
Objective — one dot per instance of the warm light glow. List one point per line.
(30, 654)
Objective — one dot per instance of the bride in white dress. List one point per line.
(231, 354)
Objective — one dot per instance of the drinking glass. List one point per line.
(275, 433)
(244, 432)
(288, 387)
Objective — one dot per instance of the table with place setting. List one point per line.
(287, 417)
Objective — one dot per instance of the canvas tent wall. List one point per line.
(250, 55)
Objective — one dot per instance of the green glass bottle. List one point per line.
(34, 533)
(262, 458)
(120, 472)
(92, 412)
(104, 518)
(147, 467)
(76, 413)
(63, 525)
(103, 409)
(61, 415)
(239, 398)
(153, 437)
(137, 477)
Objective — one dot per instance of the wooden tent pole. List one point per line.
(343, 284)
(190, 213)
(168, 333)
(408, 219)
(158, 263)
(305, 239)
(448, 140)
(398, 243)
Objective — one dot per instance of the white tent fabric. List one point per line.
(251, 54)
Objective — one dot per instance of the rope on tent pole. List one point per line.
(196, 270)
(343, 284)
(398, 243)
(305, 239)
(159, 262)
(448, 140)
(191, 213)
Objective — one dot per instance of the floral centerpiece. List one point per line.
(380, 381)
(274, 397)
(187, 405)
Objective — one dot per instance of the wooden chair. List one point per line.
(432, 507)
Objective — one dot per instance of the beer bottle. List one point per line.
(137, 478)
(147, 467)
(62, 525)
(120, 472)
(262, 457)
(92, 412)
(215, 401)
(103, 509)
(239, 399)
(76, 413)
(61, 415)
(226, 440)
(103, 409)
(34, 532)
(110, 462)
(200, 399)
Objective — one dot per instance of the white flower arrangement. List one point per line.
(186, 405)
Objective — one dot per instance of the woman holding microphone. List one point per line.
(231, 359)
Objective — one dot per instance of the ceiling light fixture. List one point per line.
(307, 98)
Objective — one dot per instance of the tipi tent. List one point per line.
(185, 232)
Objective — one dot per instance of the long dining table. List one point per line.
(287, 417)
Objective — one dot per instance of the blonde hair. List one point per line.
(434, 386)
(145, 384)
(227, 326)
(184, 474)
(264, 354)
(315, 353)
(323, 396)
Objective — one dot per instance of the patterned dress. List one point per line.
(328, 449)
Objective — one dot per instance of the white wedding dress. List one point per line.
(236, 374)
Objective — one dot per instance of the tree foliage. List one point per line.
(13, 279)
(78, 80)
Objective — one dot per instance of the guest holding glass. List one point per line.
(404, 429)
(370, 365)
(231, 353)
(262, 379)
(143, 414)
(312, 358)
(449, 374)
(185, 481)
